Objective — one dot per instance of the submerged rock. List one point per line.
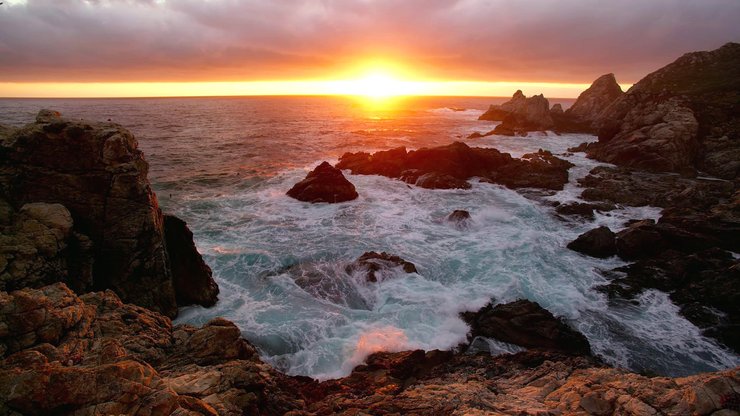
(599, 242)
(96, 172)
(459, 218)
(460, 162)
(324, 184)
(526, 324)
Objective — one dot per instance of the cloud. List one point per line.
(487, 40)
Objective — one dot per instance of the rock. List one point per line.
(639, 240)
(65, 354)
(679, 118)
(599, 242)
(324, 184)
(374, 263)
(702, 283)
(95, 171)
(460, 218)
(584, 210)
(477, 135)
(433, 180)
(556, 109)
(526, 324)
(499, 112)
(459, 161)
(592, 102)
(191, 277)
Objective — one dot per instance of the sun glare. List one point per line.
(378, 85)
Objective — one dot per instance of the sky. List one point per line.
(476, 47)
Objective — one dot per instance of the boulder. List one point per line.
(599, 242)
(434, 180)
(373, 264)
(96, 172)
(581, 209)
(459, 218)
(191, 277)
(526, 324)
(324, 184)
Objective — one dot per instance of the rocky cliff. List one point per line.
(680, 118)
(109, 230)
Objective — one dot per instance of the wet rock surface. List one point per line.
(324, 184)
(599, 242)
(457, 162)
(526, 324)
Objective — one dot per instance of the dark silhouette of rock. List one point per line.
(599, 242)
(434, 180)
(95, 171)
(680, 118)
(324, 184)
(593, 101)
(581, 209)
(556, 109)
(459, 217)
(499, 112)
(191, 277)
(373, 263)
(458, 160)
(533, 114)
(527, 324)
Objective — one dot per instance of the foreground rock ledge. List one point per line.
(92, 354)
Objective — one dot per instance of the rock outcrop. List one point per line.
(526, 324)
(680, 118)
(324, 184)
(599, 242)
(453, 164)
(373, 263)
(593, 101)
(95, 171)
(499, 112)
(521, 115)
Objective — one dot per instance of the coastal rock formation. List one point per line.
(680, 118)
(373, 263)
(97, 173)
(599, 242)
(324, 184)
(93, 354)
(533, 115)
(593, 101)
(499, 112)
(459, 218)
(191, 276)
(526, 324)
(459, 161)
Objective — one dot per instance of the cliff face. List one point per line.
(96, 171)
(680, 118)
(593, 101)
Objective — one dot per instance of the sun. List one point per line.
(378, 85)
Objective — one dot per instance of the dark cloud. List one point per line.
(487, 40)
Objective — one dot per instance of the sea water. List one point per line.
(224, 165)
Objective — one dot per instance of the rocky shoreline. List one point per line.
(92, 272)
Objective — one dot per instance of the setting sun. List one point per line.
(378, 85)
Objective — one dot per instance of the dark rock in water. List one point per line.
(556, 109)
(592, 102)
(580, 148)
(527, 324)
(680, 118)
(635, 188)
(477, 135)
(433, 180)
(521, 115)
(459, 215)
(96, 171)
(191, 276)
(499, 112)
(324, 184)
(581, 209)
(639, 240)
(599, 242)
(460, 161)
(373, 263)
(704, 284)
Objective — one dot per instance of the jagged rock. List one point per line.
(324, 184)
(526, 324)
(93, 354)
(434, 180)
(373, 263)
(593, 101)
(533, 114)
(191, 277)
(499, 112)
(599, 242)
(556, 109)
(460, 161)
(96, 171)
(679, 118)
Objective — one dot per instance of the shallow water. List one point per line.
(224, 165)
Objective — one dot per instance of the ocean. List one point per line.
(224, 165)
